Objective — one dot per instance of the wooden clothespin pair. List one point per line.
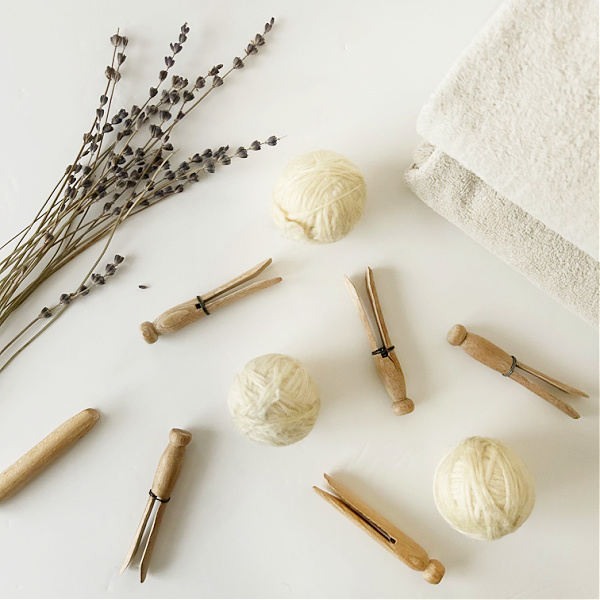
(386, 361)
(382, 531)
(179, 316)
(490, 355)
(165, 479)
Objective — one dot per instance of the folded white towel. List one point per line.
(561, 269)
(519, 111)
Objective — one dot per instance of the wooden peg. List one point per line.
(494, 357)
(382, 531)
(180, 316)
(165, 478)
(46, 451)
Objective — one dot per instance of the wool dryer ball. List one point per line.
(483, 489)
(273, 400)
(319, 197)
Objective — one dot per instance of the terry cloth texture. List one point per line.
(512, 152)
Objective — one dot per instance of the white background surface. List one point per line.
(243, 521)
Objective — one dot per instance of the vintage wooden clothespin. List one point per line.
(42, 454)
(386, 361)
(381, 530)
(178, 317)
(165, 479)
(490, 355)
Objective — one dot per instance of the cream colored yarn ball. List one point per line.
(273, 400)
(483, 489)
(319, 197)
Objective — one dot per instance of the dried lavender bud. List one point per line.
(77, 168)
(185, 28)
(127, 151)
(174, 97)
(45, 313)
(155, 131)
(100, 280)
(168, 147)
(179, 82)
(65, 299)
(103, 100)
(188, 96)
(124, 41)
(241, 152)
(111, 269)
(180, 115)
(121, 58)
(117, 211)
(238, 63)
(269, 25)
(143, 287)
(129, 204)
(135, 110)
(207, 152)
(164, 115)
(83, 291)
(170, 175)
(255, 145)
(196, 158)
(193, 177)
(251, 48)
(115, 40)
(182, 38)
(48, 238)
(224, 160)
(200, 83)
(145, 202)
(86, 170)
(167, 166)
(215, 70)
(152, 109)
(152, 92)
(162, 75)
(107, 207)
(179, 189)
(272, 141)
(118, 259)
(209, 166)
(184, 166)
(107, 128)
(259, 40)
(176, 48)
(217, 81)
(169, 61)
(99, 113)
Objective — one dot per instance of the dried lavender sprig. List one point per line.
(64, 301)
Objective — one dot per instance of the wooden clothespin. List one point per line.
(386, 361)
(178, 317)
(490, 355)
(42, 454)
(165, 479)
(381, 530)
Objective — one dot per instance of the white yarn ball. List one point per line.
(273, 400)
(483, 489)
(319, 197)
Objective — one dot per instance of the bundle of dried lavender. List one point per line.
(122, 168)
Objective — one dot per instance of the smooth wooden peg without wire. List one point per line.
(165, 479)
(46, 451)
(382, 531)
(490, 355)
(386, 361)
(180, 316)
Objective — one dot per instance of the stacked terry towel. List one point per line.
(511, 155)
